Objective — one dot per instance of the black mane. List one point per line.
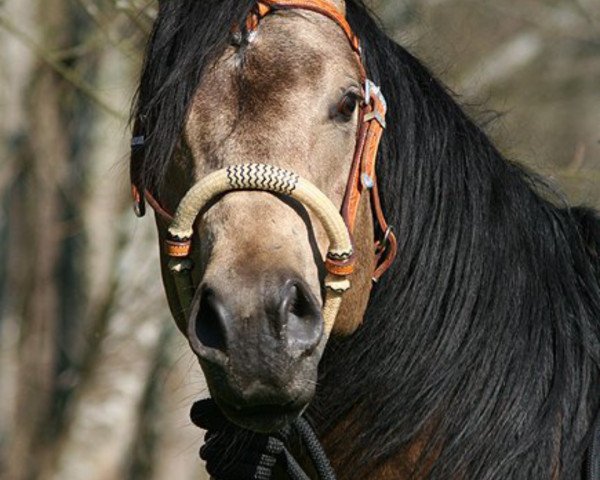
(484, 338)
(486, 332)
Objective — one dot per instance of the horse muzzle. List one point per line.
(260, 362)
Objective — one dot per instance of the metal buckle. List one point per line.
(374, 91)
(385, 241)
(381, 249)
(368, 84)
(367, 181)
(137, 142)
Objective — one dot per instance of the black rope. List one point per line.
(294, 470)
(315, 449)
(232, 453)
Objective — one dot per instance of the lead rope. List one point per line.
(315, 449)
(254, 455)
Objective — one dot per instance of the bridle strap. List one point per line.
(139, 196)
(371, 125)
(264, 7)
(362, 173)
(165, 216)
(363, 176)
(136, 162)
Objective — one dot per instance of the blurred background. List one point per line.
(95, 383)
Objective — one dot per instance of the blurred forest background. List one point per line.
(94, 381)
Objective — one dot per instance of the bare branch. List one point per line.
(135, 14)
(104, 28)
(68, 74)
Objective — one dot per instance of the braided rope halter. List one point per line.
(339, 225)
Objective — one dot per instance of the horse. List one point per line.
(475, 356)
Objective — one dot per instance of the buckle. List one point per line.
(374, 97)
(374, 90)
(367, 181)
(384, 243)
(137, 142)
(384, 254)
(368, 84)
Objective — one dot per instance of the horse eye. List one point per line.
(347, 105)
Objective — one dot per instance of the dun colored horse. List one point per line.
(475, 356)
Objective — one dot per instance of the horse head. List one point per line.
(285, 102)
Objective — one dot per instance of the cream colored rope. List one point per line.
(334, 290)
(273, 179)
(267, 178)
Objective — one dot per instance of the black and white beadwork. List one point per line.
(340, 256)
(258, 176)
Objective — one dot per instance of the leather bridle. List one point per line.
(340, 261)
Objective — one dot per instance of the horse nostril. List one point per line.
(301, 315)
(210, 328)
(301, 305)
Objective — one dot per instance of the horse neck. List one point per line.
(473, 347)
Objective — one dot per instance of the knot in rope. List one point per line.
(233, 453)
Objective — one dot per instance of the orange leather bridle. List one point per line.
(362, 176)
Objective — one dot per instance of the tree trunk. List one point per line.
(13, 125)
(37, 209)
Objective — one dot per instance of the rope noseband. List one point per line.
(340, 258)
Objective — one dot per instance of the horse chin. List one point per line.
(262, 398)
(263, 418)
